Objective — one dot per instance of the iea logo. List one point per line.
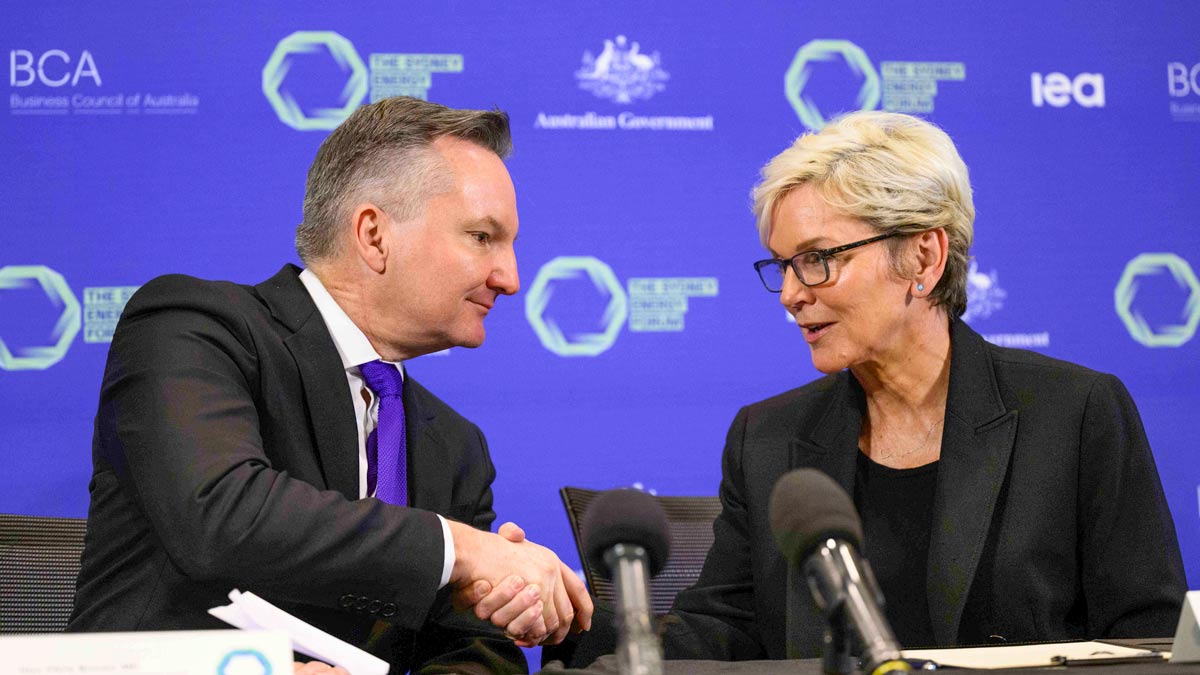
(1057, 90)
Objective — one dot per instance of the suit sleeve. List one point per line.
(1133, 579)
(179, 424)
(714, 619)
(458, 642)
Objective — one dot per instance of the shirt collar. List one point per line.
(352, 345)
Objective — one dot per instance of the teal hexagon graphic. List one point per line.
(40, 357)
(1126, 293)
(798, 75)
(274, 75)
(244, 662)
(537, 304)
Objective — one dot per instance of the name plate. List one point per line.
(200, 652)
(1186, 648)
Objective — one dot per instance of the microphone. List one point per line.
(625, 533)
(818, 530)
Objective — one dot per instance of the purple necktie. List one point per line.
(387, 460)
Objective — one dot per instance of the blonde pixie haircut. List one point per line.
(896, 173)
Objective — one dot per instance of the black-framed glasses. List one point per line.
(811, 267)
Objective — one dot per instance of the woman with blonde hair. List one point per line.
(1005, 495)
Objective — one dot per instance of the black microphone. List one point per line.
(625, 532)
(819, 531)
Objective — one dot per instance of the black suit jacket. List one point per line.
(1049, 518)
(226, 456)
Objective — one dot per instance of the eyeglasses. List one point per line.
(811, 267)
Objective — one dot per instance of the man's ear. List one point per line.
(369, 227)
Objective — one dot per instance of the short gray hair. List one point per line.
(896, 173)
(382, 152)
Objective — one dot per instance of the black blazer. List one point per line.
(1049, 518)
(226, 456)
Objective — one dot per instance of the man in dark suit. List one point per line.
(247, 436)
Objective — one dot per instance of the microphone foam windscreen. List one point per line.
(807, 507)
(625, 517)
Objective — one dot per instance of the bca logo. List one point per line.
(1182, 81)
(1058, 90)
(52, 68)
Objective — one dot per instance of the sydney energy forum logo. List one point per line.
(315, 79)
(1158, 299)
(577, 305)
(829, 77)
(40, 316)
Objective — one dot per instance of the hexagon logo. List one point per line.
(41, 357)
(1126, 294)
(797, 78)
(244, 662)
(274, 74)
(611, 294)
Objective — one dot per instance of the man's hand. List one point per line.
(526, 580)
(513, 606)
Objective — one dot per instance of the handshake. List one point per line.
(517, 585)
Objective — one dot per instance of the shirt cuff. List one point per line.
(448, 565)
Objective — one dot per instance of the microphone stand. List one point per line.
(639, 651)
(838, 658)
(844, 602)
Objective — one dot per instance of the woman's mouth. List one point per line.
(814, 331)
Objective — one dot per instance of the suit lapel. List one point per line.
(829, 445)
(977, 441)
(321, 375)
(832, 444)
(429, 470)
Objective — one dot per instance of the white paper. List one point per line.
(249, 612)
(1021, 656)
(192, 652)
(1186, 647)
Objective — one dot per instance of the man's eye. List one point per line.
(481, 237)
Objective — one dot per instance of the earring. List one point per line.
(920, 288)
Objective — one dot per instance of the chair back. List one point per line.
(39, 561)
(690, 521)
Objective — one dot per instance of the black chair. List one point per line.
(690, 520)
(39, 561)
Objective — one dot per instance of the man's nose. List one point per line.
(504, 277)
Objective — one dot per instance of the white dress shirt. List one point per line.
(355, 349)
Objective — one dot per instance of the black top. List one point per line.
(896, 506)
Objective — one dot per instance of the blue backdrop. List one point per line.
(142, 138)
